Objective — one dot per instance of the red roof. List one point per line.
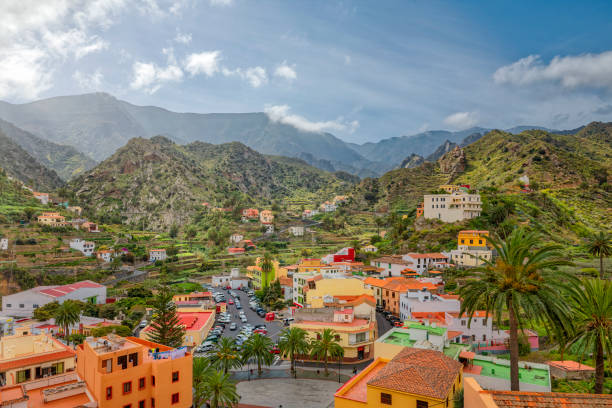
(191, 320)
(36, 359)
(434, 255)
(569, 365)
(59, 291)
(235, 250)
(525, 399)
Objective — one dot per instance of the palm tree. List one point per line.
(520, 281)
(202, 370)
(267, 269)
(293, 342)
(225, 356)
(68, 313)
(258, 347)
(219, 390)
(325, 347)
(592, 315)
(600, 245)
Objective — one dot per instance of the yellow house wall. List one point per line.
(11, 375)
(335, 287)
(386, 350)
(350, 351)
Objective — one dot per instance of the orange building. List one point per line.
(394, 287)
(134, 373)
(53, 219)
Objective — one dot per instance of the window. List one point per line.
(152, 402)
(21, 305)
(153, 380)
(385, 398)
(23, 376)
(422, 404)
(122, 361)
(133, 358)
(127, 406)
(109, 393)
(175, 376)
(462, 322)
(127, 387)
(9, 305)
(108, 364)
(175, 398)
(141, 383)
(484, 337)
(141, 404)
(35, 306)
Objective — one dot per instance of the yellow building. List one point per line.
(450, 188)
(320, 290)
(415, 378)
(28, 357)
(472, 238)
(310, 265)
(472, 249)
(254, 273)
(53, 219)
(355, 335)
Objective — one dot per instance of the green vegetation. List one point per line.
(165, 328)
(66, 315)
(212, 386)
(258, 347)
(600, 245)
(326, 347)
(224, 356)
(293, 342)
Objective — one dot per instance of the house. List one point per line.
(75, 209)
(89, 227)
(426, 300)
(453, 207)
(450, 188)
(85, 247)
(363, 306)
(286, 284)
(392, 265)
(105, 255)
(309, 213)
(477, 397)
(266, 217)
(422, 262)
(3, 244)
(395, 287)
(570, 370)
(235, 251)
(236, 238)
(355, 335)
(269, 228)
(413, 378)
(369, 248)
(472, 249)
(340, 199)
(234, 280)
(249, 214)
(132, 372)
(22, 304)
(344, 255)
(197, 324)
(158, 254)
(297, 230)
(42, 197)
(52, 219)
(321, 290)
(328, 206)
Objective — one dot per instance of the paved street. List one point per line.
(288, 393)
(274, 328)
(383, 324)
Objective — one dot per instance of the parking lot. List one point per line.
(252, 318)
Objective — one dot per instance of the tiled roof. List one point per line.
(36, 359)
(570, 365)
(524, 399)
(434, 255)
(397, 260)
(285, 281)
(59, 291)
(419, 371)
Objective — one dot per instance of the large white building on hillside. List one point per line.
(85, 247)
(453, 207)
(22, 304)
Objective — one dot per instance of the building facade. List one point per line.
(452, 207)
(85, 247)
(157, 255)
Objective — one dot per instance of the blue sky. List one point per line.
(363, 70)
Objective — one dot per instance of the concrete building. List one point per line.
(570, 370)
(52, 219)
(158, 254)
(392, 265)
(236, 238)
(319, 291)
(234, 280)
(3, 244)
(472, 249)
(355, 335)
(105, 255)
(327, 207)
(452, 207)
(286, 284)
(22, 304)
(132, 372)
(414, 377)
(423, 262)
(369, 248)
(249, 214)
(85, 247)
(42, 197)
(297, 230)
(261, 280)
(426, 301)
(266, 217)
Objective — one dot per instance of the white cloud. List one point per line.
(280, 114)
(221, 2)
(89, 82)
(286, 71)
(206, 63)
(587, 70)
(182, 38)
(149, 77)
(461, 120)
(23, 73)
(255, 76)
(347, 60)
(423, 128)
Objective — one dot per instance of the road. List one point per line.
(383, 324)
(274, 328)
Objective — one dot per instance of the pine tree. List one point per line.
(165, 326)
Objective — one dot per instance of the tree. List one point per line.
(173, 231)
(224, 356)
(326, 347)
(119, 330)
(45, 312)
(600, 245)
(258, 347)
(520, 281)
(267, 269)
(219, 390)
(67, 314)
(165, 325)
(292, 343)
(202, 370)
(592, 316)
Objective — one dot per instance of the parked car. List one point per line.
(261, 313)
(233, 326)
(260, 326)
(143, 324)
(243, 319)
(231, 302)
(263, 332)
(398, 324)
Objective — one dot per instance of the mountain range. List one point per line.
(97, 124)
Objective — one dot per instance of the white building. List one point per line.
(392, 265)
(233, 280)
(453, 207)
(309, 213)
(236, 238)
(296, 230)
(480, 328)
(158, 254)
(22, 304)
(85, 247)
(269, 228)
(423, 262)
(424, 301)
(369, 248)
(470, 257)
(105, 255)
(3, 244)
(328, 206)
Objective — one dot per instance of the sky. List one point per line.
(362, 70)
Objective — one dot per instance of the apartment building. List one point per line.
(453, 207)
(472, 249)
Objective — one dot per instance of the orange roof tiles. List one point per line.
(434, 255)
(451, 334)
(524, 399)
(467, 354)
(570, 365)
(285, 281)
(358, 390)
(419, 371)
(36, 359)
